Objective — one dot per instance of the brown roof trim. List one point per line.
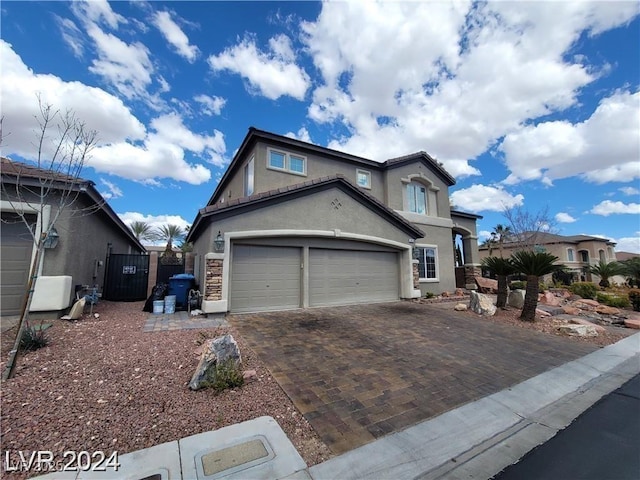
(280, 194)
(459, 213)
(425, 158)
(13, 171)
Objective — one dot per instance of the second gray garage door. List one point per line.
(265, 278)
(340, 277)
(15, 259)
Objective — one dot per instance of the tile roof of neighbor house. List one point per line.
(256, 134)
(13, 171)
(622, 256)
(545, 238)
(337, 179)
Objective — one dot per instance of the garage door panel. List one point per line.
(15, 258)
(338, 277)
(265, 278)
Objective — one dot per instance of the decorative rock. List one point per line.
(249, 376)
(542, 313)
(606, 310)
(569, 310)
(461, 307)
(487, 285)
(548, 298)
(516, 298)
(578, 330)
(482, 304)
(218, 351)
(445, 294)
(582, 321)
(631, 323)
(588, 301)
(459, 292)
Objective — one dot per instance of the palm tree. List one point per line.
(534, 265)
(142, 230)
(502, 267)
(499, 235)
(632, 270)
(605, 271)
(170, 233)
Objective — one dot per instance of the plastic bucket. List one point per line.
(170, 304)
(158, 307)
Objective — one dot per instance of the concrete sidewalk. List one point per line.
(477, 440)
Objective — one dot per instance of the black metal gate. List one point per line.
(126, 277)
(167, 269)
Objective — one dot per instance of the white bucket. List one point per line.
(158, 306)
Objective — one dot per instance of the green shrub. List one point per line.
(634, 297)
(34, 337)
(519, 285)
(227, 375)
(613, 300)
(429, 295)
(584, 289)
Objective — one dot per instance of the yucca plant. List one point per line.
(501, 267)
(534, 265)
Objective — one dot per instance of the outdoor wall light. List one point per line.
(414, 251)
(52, 238)
(219, 242)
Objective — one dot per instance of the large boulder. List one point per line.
(548, 298)
(516, 298)
(582, 321)
(487, 285)
(482, 304)
(221, 351)
(578, 330)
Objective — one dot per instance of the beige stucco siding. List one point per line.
(441, 238)
(396, 189)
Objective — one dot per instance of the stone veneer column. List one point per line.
(213, 279)
(416, 274)
(470, 274)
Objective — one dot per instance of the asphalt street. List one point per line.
(602, 443)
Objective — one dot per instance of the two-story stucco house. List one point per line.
(292, 224)
(577, 252)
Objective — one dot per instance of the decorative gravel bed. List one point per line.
(104, 384)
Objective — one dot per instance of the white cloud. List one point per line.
(628, 244)
(113, 191)
(303, 134)
(154, 221)
(175, 36)
(607, 207)
(563, 217)
(71, 35)
(273, 74)
(125, 148)
(603, 148)
(478, 198)
(629, 190)
(210, 105)
(417, 75)
(97, 11)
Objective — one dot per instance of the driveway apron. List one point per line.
(360, 372)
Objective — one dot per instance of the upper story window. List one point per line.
(570, 256)
(417, 198)
(602, 256)
(363, 178)
(584, 256)
(427, 263)
(248, 178)
(288, 162)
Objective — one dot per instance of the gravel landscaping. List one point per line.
(104, 384)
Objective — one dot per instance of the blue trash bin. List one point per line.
(179, 285)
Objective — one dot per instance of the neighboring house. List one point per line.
(576, 252)
(299, 225)
(87, 230)
(624, 256)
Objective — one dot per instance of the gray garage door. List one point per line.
(265, 278)
(340, 277)
(15, 258)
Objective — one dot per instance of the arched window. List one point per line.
(603, 258)
(417, 198)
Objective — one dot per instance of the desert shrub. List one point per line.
(34, 337)
(519, 285)
(634, 298)
(429, 295)
(613, 300)
(584, 289)
(227, 375)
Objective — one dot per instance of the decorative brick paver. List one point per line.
(182, 321)
(360, 372)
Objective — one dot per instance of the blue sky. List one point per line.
(531, 104)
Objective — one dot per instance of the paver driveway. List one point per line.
(360, 372)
